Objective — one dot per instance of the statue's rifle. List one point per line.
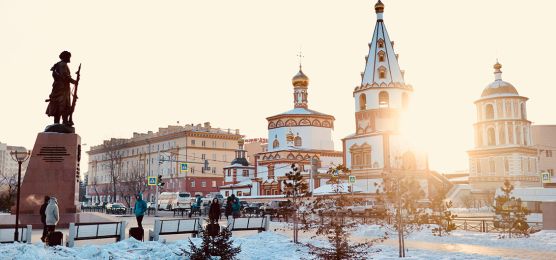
(74, 99)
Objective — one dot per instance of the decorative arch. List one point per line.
(360, 156)
(380, 43)
(325, 124)
(299, 157)
(279, 123)
(304, 121)
(277, 157)
(382, 72)
(362, 101)
(316, 122)
(491, 138)
(383, 99)
(271, 125)
(489, 111)
(381, 56)
(291, 122)
(291, 156)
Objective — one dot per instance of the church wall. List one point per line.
(318, 138)
(394, 95)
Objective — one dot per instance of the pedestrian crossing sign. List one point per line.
(184, 167)
(351, 179)
(151, 180)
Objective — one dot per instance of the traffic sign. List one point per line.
(546, 177)
(184, 167)
(351, 179)
(151, 180)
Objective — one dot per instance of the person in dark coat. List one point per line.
(43, 218)
(214, 211)
(236, 208)
(228, 211)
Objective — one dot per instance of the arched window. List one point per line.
(489, 112)
(525, 134)
(382, 73)
(491, 137)
(362, 101)
(380, 43)
(383, 99)
(297, 140)
(275, 143)
(405, 100)
(523, 114)
(381, 56)
(502, 136)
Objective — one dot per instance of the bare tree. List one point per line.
(132, 184)
(113, 162)
(8, 189)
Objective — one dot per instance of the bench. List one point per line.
(175, 226)
(257, 223)
(7, 233)
(95, 230)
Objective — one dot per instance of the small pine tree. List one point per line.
(220, 245)
(296, 188)
(441, 215)
(511, 215)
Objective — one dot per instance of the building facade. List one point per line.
(8, 166)
(544, 140)
(240, 177)
(130, 161)
(503, 145)
(301, 136)
(377, 148)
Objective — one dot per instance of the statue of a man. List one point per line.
(60, 98)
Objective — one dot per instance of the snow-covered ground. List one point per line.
(543, 240)
(266, 245)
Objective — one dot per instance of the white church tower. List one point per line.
(377, 147)
(503, 147)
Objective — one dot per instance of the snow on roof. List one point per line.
(533, 194)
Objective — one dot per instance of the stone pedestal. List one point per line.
(52, 171)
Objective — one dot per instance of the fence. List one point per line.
(482, 224)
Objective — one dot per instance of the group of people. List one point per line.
(50, 215)
(232, 209)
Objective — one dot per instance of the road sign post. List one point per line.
(352, 182)
(184, 167)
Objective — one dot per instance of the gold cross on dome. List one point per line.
(300, 56)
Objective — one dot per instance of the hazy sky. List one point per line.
(147, 64)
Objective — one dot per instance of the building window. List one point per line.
(380, 43)
(551, 171)
(297, 140)
(275, 144)
(192, 142)
(381, 56)
(548, 153)
(229, 172)
(362, 101)
(383, 99)
(275, 192)
(203, 184)
(192, 184)
(203, 143)
(214, 157)
(489, 112)
(491, 137)
(203, 156)
(225, 144)
(192, 169)
(227, 193)
(239, 193)
(501, 136)
(214, 144)
(213, 169)
(245, 173)
(381, 73)
(214, 184)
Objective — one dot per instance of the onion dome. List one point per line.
(499, 87)
(300, 79)
(379, 7)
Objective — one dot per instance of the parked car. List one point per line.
(243, 204)
(217, 195)
(116, 208)
(253, 208)
(276, 207)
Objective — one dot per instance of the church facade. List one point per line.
(377, 148)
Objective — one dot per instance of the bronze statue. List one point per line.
(59, 105)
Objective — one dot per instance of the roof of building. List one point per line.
(381, 46)
(499, 87)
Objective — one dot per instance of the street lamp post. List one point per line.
(19, 157)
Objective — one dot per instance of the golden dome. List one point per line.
(379, 7)
(241, 141)
(300, 79)
(497, 66)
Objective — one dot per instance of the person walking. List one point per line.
(139, 209)
(214, 211)
(228, 210)
(52, 215)
(236, 207)
(43, 218)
